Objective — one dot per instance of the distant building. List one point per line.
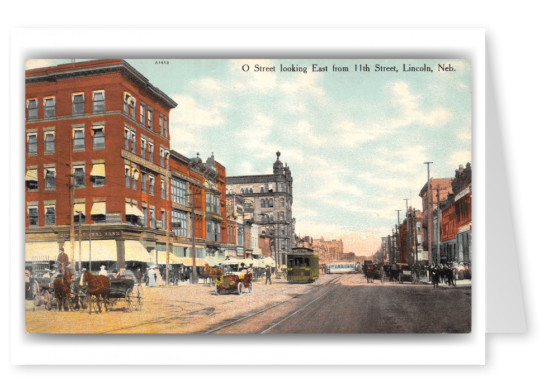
(270, 199)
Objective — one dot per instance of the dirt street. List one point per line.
(333, 304)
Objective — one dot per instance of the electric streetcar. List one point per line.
(302, 265)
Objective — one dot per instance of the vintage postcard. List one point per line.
(248, 196)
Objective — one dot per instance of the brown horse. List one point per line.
(62, 290)
(98, 286)
(212, 273)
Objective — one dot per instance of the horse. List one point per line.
(98, 286)
(211, 274)
(62, 289)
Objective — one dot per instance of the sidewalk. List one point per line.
(458, 283)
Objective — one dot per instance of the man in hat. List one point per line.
(62, 260)
(102, 271)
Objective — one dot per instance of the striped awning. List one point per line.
(102, 250)
(133, 210)
(98, 208)
(135, 251)
(98, 170)
(41, 251)
(31, 175)
(81, 207)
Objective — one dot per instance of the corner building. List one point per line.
(270, 197)
(98, 165)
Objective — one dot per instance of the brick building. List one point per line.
(270, 199)
(98, 162)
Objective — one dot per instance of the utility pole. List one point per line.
(415, 237)
(193, 250)
(408, 230)
(438, 225)
(397, 241)
(168, 209)
(80, 240)
(429, 213)
(72, 212)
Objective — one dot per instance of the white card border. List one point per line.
(28, 349)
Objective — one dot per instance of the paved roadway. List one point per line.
(347, 304)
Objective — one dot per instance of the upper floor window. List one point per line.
(144, 147)
(49, 107)
(98, 174)
(150, 118)
(166, 126)
(162, 157)
(33, 216)
(179, 191)
(98, 102)
(162, 189)
(99, 137)
(135, 177)
(151, 152)
(49, 178)
(79, 178)
(129, 105)
(78, 104)
(31, 179)
(152, 216)
(78, 139)
(144, 183)
(32, 144)
(129, 140)
(151, 184)
(282, 202)
(161, 123)
(49, 214)
(49, 141)
(142, 113)
(32, 109)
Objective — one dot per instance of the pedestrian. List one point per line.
(152, 277)
(268, 275)
(62, 260)
(139, 276)
(102, 271)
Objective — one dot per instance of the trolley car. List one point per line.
(302, 265)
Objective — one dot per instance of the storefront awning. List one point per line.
(98, 170)
(98, 208)
(31, 175)
(173, 260)
(135, 251)
(80, 208)
(41, 251)
(102, 250)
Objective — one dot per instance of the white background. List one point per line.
(517, 48)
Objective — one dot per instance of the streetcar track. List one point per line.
(250, 315)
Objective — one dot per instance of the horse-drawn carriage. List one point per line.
(372, 271)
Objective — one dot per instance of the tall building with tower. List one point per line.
(268, 202)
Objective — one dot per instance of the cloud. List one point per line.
(411, 113)
(192, 116)
(460, 157)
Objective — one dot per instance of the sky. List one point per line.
(355, 141)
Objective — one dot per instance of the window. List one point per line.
(32, 144)
(79, 176)
(162, 156)
(49, 178)
(49, 107)
(99, 138)
(144, 183)
(179, 191)
(152, 216)
(31, 179)
(262, 203)
(78, 104)
(33, 216)
(49, 214)
(144, 147)
(142, 113)
(281, 216)
(163, 219)
(144, 212)
(283, 231)
(98, 102)
(179, 223)
(151, 184)
(150, 118)
(49, 141)
(166, 127)
(129, 139)
(262, 189)
(282, 202)
(162, 189)
(80, 212)
(161, 130)
(32, 110)
(135, 177)
(98, 211)
(129, 105)
(127, 176)
(98, 174)
(270, 202)
(133, 141)
(78, 140)
(151, 152)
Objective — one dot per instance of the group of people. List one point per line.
(441, 273)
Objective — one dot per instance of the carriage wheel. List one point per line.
(84, 302)
(138, 302)
(48, 299)
(37, 298)
(240, 288)
(251, 287)
(128, 299)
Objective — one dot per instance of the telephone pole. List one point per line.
(429, 213)
(168, 209)
(438, 225)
